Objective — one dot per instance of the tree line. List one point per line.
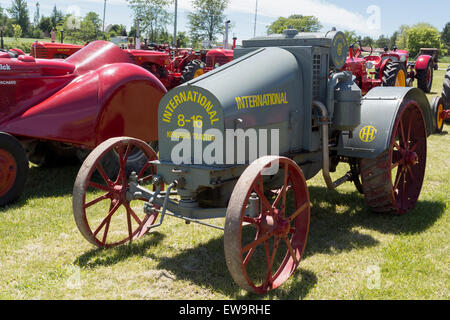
(206, 22)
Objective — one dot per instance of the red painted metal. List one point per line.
(53, 50)
(93, 95)
(392, 181)
(218, 57)
(422, 62)
(276, 227)
(122, 223)
(8, 172)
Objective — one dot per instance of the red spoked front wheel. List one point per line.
(266, 227)
(392, 182)
(104, 211)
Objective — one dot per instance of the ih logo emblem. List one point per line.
(368, 134)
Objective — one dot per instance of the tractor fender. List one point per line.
(128, 97)
(379, 110)
(115, 100)
(422, 62)
(66, 116)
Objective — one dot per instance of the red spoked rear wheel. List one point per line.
(263, 249)
(392, 182)
(103, 211)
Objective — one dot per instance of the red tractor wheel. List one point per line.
(13, 169)
(265, 236)
(437, 110)
(392, 182)
(102, 209)
(394, 74)
(425, 78)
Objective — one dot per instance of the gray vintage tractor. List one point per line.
(282, 91)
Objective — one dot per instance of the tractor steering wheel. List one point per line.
(357, 52)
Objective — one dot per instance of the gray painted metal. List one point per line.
(378, 111)
(272, 84)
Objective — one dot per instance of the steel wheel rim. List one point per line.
(113, 191)
(8, 172)
(408, 157)
(290, 228)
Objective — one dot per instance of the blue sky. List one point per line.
(365, 17)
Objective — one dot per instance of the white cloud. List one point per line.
(326, 12)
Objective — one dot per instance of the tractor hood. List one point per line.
(260, 90)
(24, 66)
(97, 54)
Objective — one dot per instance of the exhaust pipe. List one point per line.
(324, 122)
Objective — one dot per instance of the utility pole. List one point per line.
(104, 15)
(175, 25)
(256, 16)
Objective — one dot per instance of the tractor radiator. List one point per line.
(316, 76)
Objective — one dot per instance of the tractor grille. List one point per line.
(316, 77)
(39, 52)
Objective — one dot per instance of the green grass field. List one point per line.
(351, 252)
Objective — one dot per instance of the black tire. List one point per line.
(391, 71)
(135, 162)
(12, 155)
(437, 107)
(446, 90)
(423, 82)
(191, 69)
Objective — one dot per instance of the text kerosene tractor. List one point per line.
(312, 118)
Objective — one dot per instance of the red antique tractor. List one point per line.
(51, 109)
(53, 50)
(388, 68)
(440, 106)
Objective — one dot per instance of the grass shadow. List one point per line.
(46, 183)
(335, 222)
(107, 257)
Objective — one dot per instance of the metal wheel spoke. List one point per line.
(102, 172)
(105, 233)
(410, 174)
(414, 147)
(108, 217)
(298, 211)
(97, 200)
(250, 220)
(98, 186)
(127, 154)
(250, 253)
(261, 195)
(132, 213)
(272, 259)
(291, 250)
(258, 241)
(143, 170)
(130, 231)
(402, 131)
(409, 127)
(398, 178)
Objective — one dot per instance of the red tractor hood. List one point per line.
(96, 55)
(29, 66)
